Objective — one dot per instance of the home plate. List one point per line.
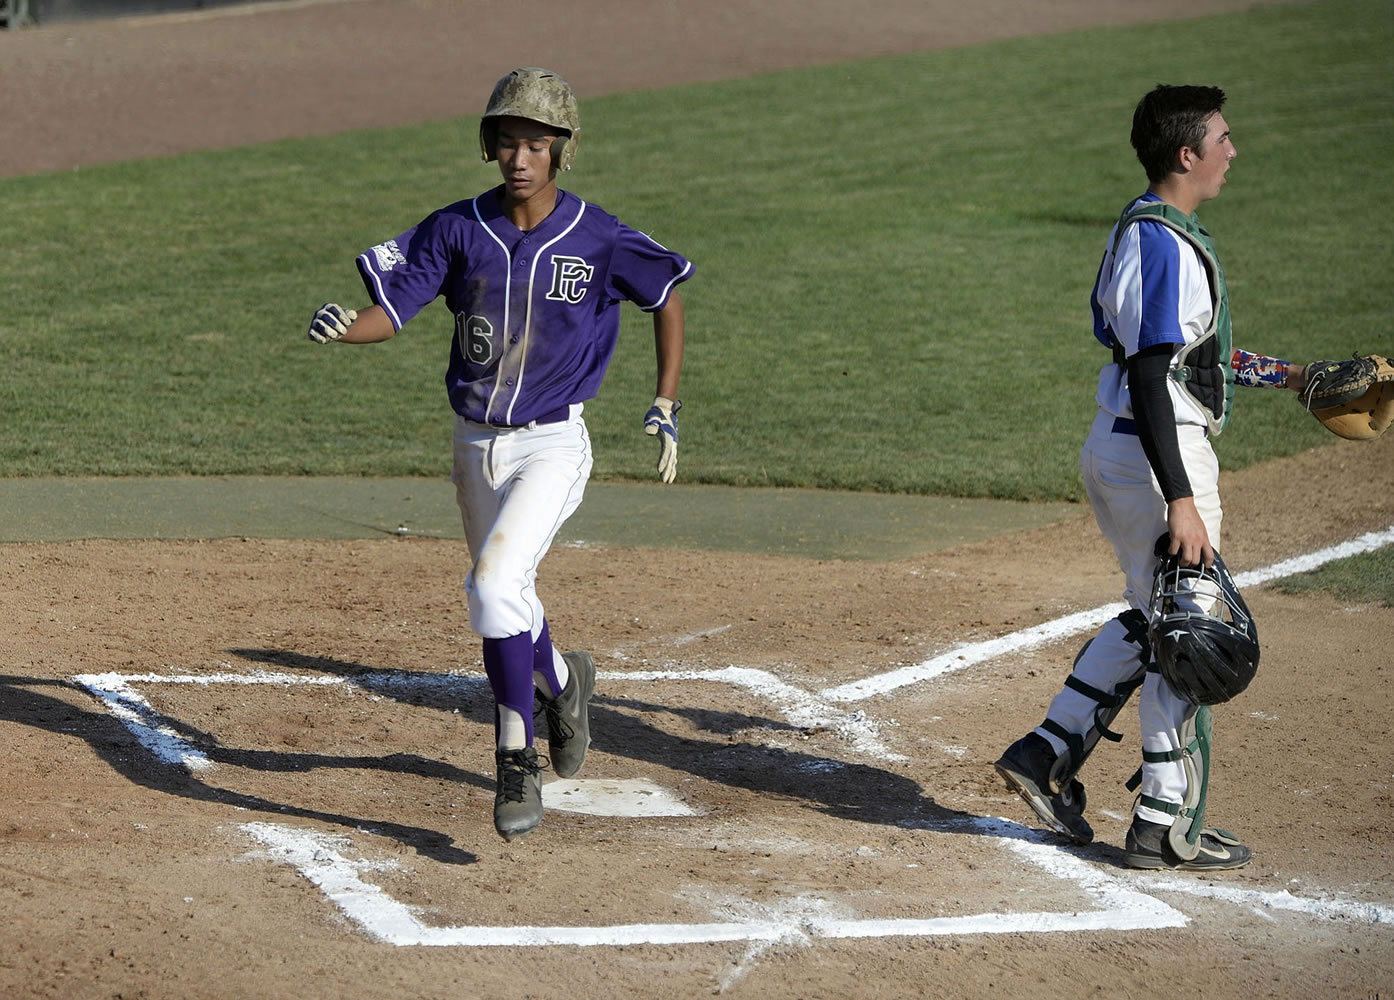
(613, 797)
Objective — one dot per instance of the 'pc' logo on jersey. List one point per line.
(569, 275)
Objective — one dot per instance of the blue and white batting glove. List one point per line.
(331, 322)
(662, 421)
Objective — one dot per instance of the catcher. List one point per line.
(1161, 310)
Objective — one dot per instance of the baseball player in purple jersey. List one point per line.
(534, 277)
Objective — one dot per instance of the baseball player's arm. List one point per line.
(1259, 371)
(371, 327)
(334, 323)
(661, 420)
(669, 333)
(1148, 374)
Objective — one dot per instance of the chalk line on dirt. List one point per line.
(156, 733)
(1123, 901)
(1338, 908)
(151, 729)
(316, 857)
(972, 654)
(799, 707)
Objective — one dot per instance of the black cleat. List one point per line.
(1148, 847)
(1025, 767)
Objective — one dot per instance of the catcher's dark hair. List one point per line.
(1168, 118)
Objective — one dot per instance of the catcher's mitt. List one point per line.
(1352, 399)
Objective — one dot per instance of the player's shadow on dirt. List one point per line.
(860, 792)
(855, 791)
(470, 696)
(864, 793)
(113, 743)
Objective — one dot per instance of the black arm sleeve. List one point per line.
(1156, 420)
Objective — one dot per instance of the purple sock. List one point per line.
(542, 660)
(508, 664)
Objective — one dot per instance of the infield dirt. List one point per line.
(121, 876)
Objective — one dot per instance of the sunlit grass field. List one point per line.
(893, 266)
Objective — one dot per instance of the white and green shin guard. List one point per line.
(1188, 818)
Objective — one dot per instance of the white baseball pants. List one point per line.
(1130, 511)
(515, 487)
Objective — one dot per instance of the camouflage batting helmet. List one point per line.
(538, 95)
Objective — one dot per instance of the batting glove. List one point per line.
(662, 422)
(331, 322)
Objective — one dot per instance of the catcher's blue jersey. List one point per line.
(536, 313)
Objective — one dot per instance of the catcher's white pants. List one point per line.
(1130, 511)
(515, 487)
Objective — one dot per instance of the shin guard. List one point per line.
(1194, 756)
(1079, 746)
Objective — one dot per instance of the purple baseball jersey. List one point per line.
(537, 313)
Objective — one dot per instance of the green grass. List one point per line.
(893, 266)
(1362, 579)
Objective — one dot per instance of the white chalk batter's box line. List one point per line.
(1122, 905)
(158, 735)
(972, 654)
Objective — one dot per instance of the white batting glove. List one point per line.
(331, 322)
(662, 422)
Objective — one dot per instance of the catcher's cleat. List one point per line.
(1148, 847)
(568, 716)
(518, 800)
(1025, 767)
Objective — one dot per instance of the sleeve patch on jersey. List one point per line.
(388, 255)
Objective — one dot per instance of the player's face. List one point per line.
(1213, 158)
(525, 157)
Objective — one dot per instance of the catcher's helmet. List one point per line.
(1202, 634)
(539, 95)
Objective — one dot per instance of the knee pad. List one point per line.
(1188, 818)
(1079, 746)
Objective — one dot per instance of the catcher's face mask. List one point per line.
(1203, 636)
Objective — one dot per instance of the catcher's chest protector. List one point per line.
(1203, 365)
